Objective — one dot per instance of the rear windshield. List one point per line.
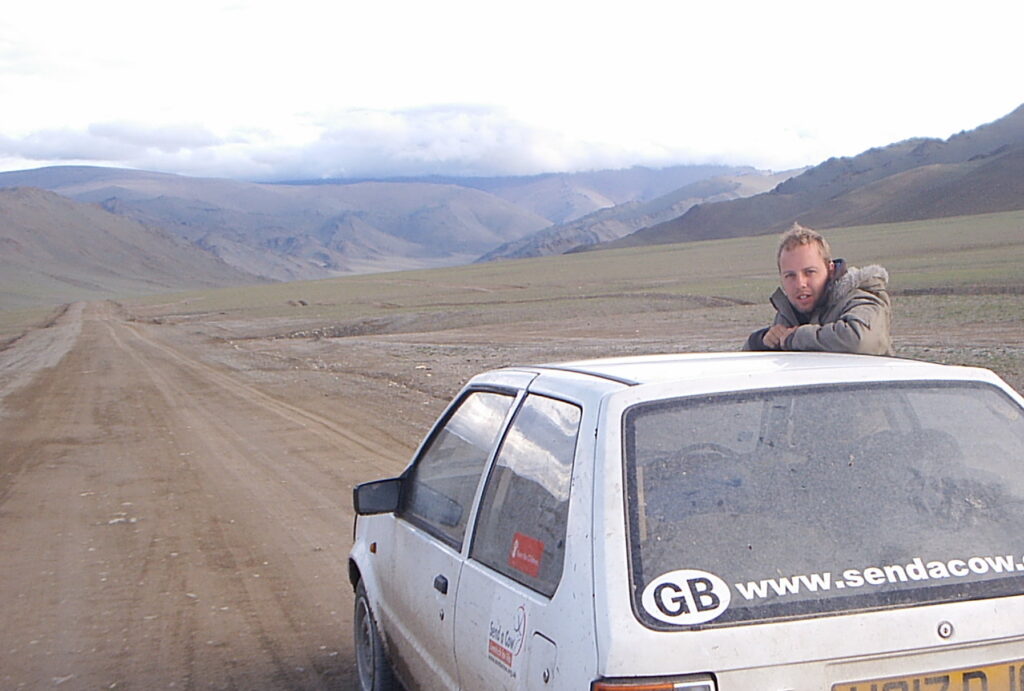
(802, 502)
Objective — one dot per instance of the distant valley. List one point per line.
(288, 232)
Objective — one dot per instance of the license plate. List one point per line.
(1008, 676)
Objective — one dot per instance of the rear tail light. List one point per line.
(653, 685)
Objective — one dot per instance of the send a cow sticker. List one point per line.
(506, 633)
(686, 597)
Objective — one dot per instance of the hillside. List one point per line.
(56, 250)
(565, 197)
(621, 220)
(974, 172)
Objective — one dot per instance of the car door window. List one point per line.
(521, 528)
(440, 488)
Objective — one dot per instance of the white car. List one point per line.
(709, 522)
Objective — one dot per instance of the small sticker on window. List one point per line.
(686, 597)
(526, 554)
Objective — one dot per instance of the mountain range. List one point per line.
(622, 219)
(973, 172)
(306, 231)
(78, 232)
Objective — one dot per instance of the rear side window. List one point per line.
(801, 502)
(522, 522)
(440, 488)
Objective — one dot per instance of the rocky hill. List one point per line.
(56, 250)
(621, 220)
(564, 197)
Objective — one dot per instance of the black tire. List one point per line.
(372, 666)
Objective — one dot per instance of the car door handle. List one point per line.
(441, 584)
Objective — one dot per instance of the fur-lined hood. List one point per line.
(872, 278)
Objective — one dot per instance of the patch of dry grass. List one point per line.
(978, 250)
(13, 323)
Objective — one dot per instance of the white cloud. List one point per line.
(169, 139)
(126, 143)
(314, 88)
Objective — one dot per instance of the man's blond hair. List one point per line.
(799, 235)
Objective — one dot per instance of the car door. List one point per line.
(438, 492)
(505, 635)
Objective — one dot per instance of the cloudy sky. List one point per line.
(308, 88)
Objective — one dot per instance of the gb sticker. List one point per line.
(686, 597)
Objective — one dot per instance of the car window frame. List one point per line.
(516, 395)
(491, 467)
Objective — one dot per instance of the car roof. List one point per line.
(688, 367)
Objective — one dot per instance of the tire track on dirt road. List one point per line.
(174, 526)
(318, 424)
(297, 501)
(220, 457)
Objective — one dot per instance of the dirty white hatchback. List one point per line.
(734, 522)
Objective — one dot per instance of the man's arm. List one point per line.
(771, 337)
(777, 335)
(862, 327)
(755, 340)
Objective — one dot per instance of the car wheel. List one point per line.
(371, 661)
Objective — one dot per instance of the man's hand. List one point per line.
(777, 335)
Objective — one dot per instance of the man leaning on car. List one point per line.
(823, 304)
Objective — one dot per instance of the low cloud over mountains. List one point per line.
(456, 140)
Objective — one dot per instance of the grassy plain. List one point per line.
(939, 254)
(957, 285)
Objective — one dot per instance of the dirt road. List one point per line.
(175, 488)
(165, 524)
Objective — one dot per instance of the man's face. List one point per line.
(804, 274)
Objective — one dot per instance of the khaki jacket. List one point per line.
(854, 317)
